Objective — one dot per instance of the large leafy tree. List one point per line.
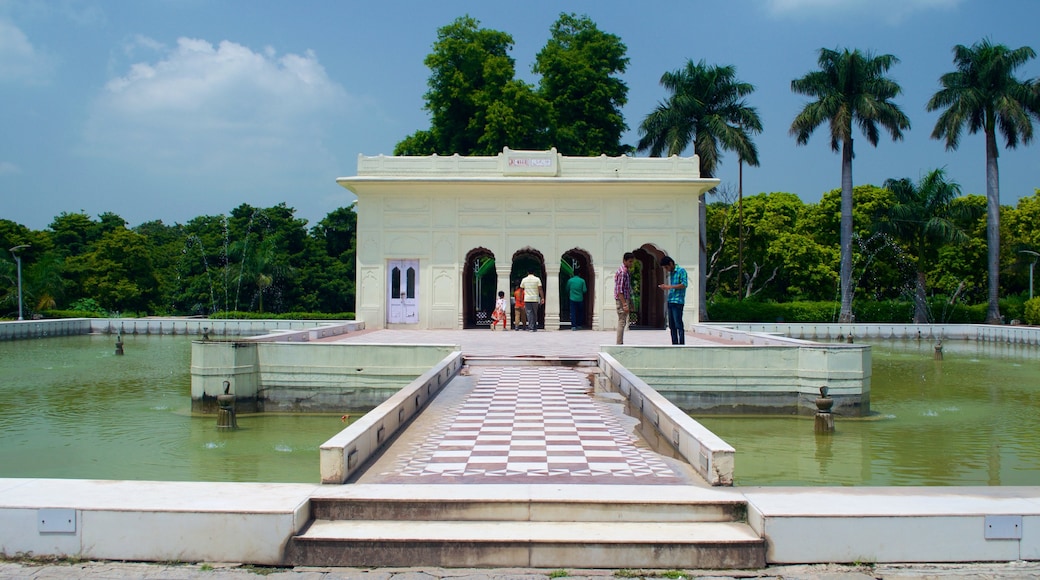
(476, 105)
(580, 65)
(850, 87)
(330, 276)
(785, 260)
(706, 108)
(73, 232)
(117, 271)
(984, 94)
(264, 248)
(924, 217)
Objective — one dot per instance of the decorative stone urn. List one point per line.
(824, 418)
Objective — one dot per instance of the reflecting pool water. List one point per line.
(970, 419)
(71, 408)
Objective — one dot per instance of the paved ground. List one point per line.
(508, 343)
(525, 425)
(132, 570)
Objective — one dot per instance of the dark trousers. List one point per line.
(675, 324)
(577, 309)
(532, 315)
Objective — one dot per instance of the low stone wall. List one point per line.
(305, 377)
(709, 455)
(217, 327)
(767, 379)
(292, 329)
(824, 332)
(351, 448)
(22, 329)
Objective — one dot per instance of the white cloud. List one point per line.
(225, 108)
(20, 61)
(891, 11)
(142, 41)
(8, 168)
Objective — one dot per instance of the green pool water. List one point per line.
(971, 419)
(71, 408)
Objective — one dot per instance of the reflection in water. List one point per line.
(969, 419)
(71, 408)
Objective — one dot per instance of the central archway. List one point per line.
(525, 261)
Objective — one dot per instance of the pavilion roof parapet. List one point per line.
(513, 163)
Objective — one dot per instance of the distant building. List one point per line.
(438, 237)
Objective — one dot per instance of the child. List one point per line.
(499, 315)
(520, 315)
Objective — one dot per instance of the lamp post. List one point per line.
(1035, 255)
(18, 260)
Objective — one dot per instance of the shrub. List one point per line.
(71, 314)
(885, 311)
(1032, 311)
(88, 305)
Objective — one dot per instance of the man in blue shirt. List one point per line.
(576, 289)
(676, 288)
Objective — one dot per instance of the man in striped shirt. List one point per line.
(623, 294)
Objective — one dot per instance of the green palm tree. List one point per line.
(984, 94)
(706, 108)
(850, 87)
(924, 217)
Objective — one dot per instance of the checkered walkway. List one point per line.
(533, 424)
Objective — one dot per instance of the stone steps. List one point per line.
(475, 528)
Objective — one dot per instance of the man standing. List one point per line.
(676, 288)
(576, 290)
(623, 294)
(533, 296)
(519, 312)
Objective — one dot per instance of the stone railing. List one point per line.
(709, 455)
(352, 447)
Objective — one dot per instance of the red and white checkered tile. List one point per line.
(531, 424)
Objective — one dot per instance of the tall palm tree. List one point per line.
(984, 94)
(924, 217)
(850, 87)
(706, 108)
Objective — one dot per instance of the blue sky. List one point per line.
(171, 109)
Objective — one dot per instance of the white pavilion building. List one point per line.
(438, 237)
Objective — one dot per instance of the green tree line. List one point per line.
(265, 260)
(253, 260)
(903, 252)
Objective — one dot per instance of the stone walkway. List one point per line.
(525, 425)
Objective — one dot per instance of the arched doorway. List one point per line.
(577, 262)
(647, 275)
(527, 260)
(479, 283)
